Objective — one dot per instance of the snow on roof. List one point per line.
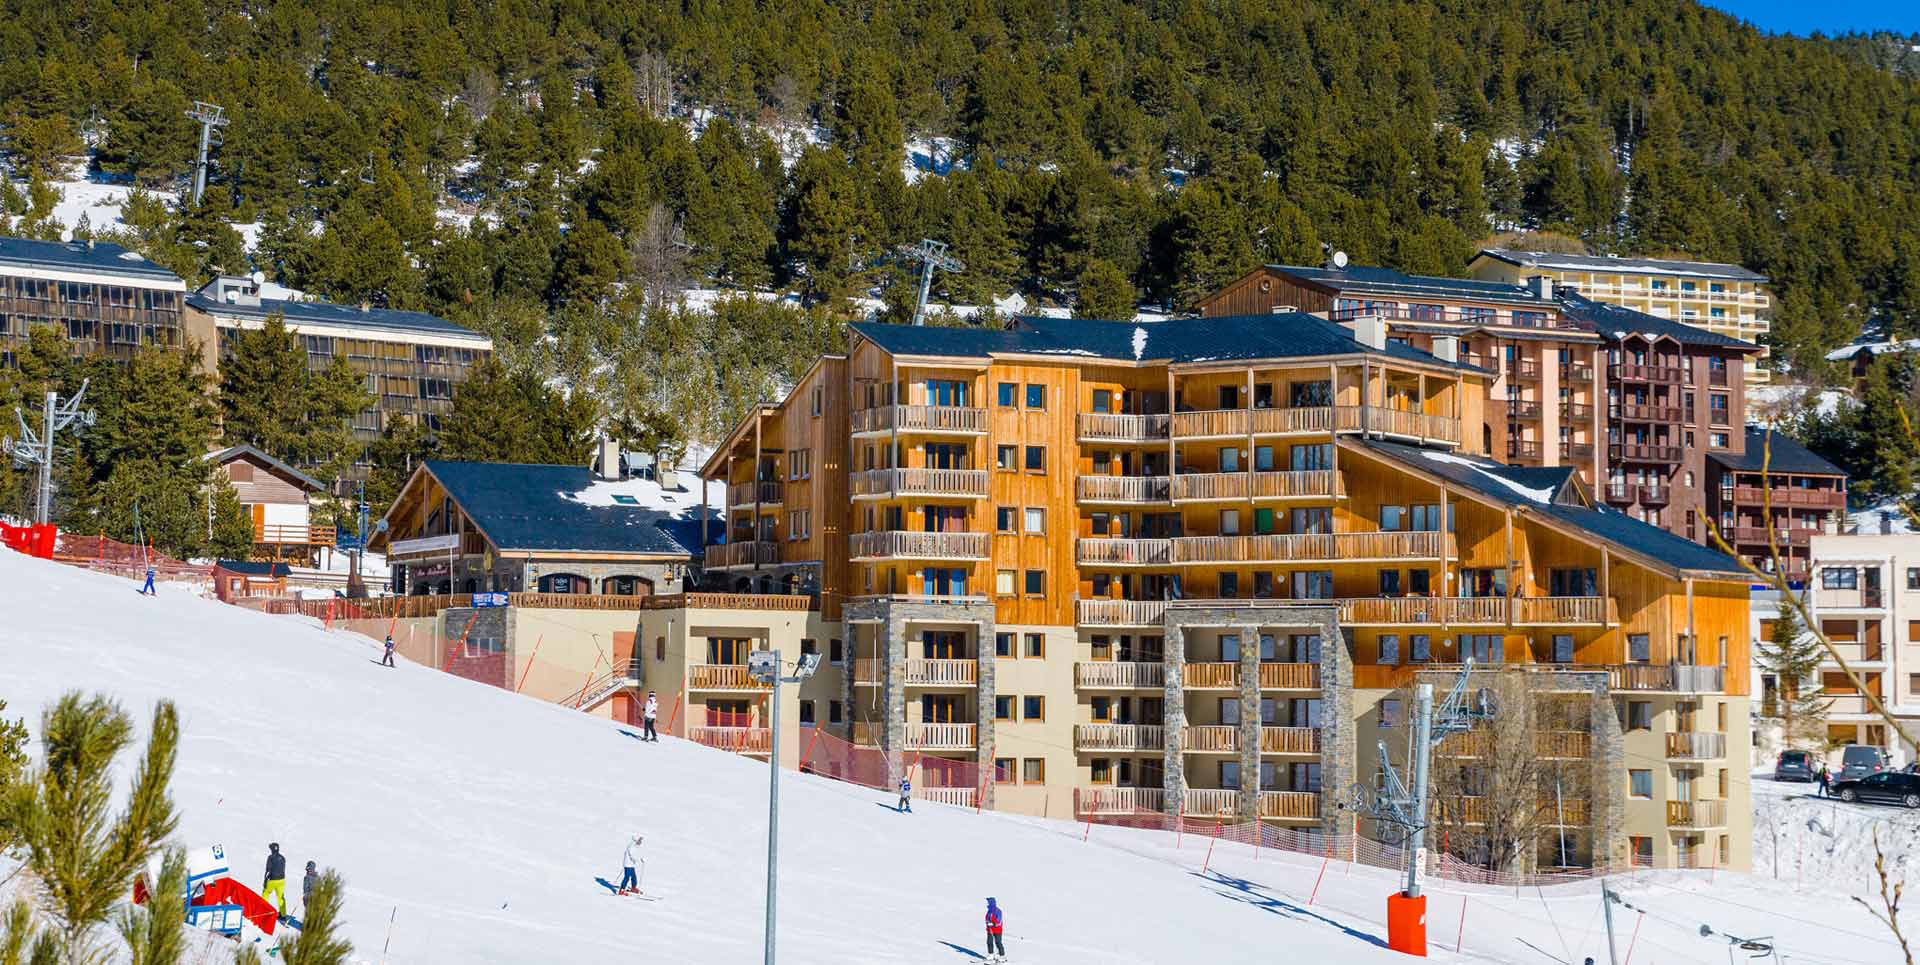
(1139, 342)
(1877, 347)
(1541, 496)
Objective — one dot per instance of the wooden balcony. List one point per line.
(722, 556)
(1563, 744)
(1289, 676)
(1576, 451)
(1239, 423)
(919, 672)
(293, 534)
(1119, 675)
(1523, 449)
(1120, 613)
(1309, 547)
(1213, 423)
(1210, 739)
(1122, 489)
(1211, 676)
(1648, 412)
(1473, 743)
(1293, 421)
(1289, 740)
(1790, 496)
(943, 483)
(765, 492)
(1124, 552)
(1126, 738)
(1697, 814)
(1566, 812)
(1114, 427)
(1696, 746)
(1673, 678)
(1575, 412)
(1206, 801)
(721, 676)
(738, 740)
(913, 545)
(1528, 409)
(1241, 486)
(1290, 805)
(1423, 610)
(923, 419)
(942, 737)
(1117, 800)
(1576, 372)
(1644, 452)
(1659, 374)
(1398, 422)
(1523, 368)
(1761, 536)
(1533, 611)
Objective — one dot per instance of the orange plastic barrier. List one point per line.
(1407, 924)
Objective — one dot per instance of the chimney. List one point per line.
(1285, 309)
(606, 459)
(1371, 331)
(1541, 285)
(1446, 348)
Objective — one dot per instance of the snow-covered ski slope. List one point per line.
(479, 821)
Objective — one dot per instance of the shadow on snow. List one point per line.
(1255, 894)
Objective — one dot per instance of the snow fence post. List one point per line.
(675, 716)
(1179, 825)
(1218, 820)
(1634, 938)
(1322, 874)
(529, 668)
(1462, 934)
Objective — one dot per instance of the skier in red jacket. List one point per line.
(996, 946)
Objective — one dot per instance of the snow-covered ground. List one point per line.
(1823, 843)
(478, 823)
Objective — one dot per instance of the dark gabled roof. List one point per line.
(1377, 280)
(248, 568)
(1187, 340)
(530, 508)
(1786, 456)
(1622, 263)
(1614, 323)
(96, 257)
(1539, 490)
(327, 313)
(219, 456)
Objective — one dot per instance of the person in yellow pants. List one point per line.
(275, 889)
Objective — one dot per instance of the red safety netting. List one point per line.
(123, 559)
(830, 756)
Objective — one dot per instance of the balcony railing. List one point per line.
(1564, 611)
(965, 420)
(1121, 613)
(1210, 738)
(1523, 409)
(1563, 744)
(1416, 610)
(1119, 675)
(739, 740)
(721, 676)
(1522, 449)
(1116, 800)
(1211, 676)
(1206, 423)
(1759, 535)
(912, 545)
(1577, 372)
(1196, 487)
(1667, 677)
(1644, 452)
(1696, 746)
(766, 492)
(1523, 368)
(1454, 316)
(931, 672)
(1118, 737)
(1114, 427)
(1575, 411)
(1289, 676)
(1473, 743)
(1576, 451)
(1663, 374)
(1205, 801)
(1122, 489)
(1696, 814)
(1291, 420)
(1297, 805)
(1791, 496)
(745, 553)
(1124, 552)
(293, 534)
(1398, 422)
(1289, 740)
(1309, 547)
(942, 737)
(1648, 412)
(964, 483)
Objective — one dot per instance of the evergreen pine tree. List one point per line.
(155, 933)
(1104, 292)
(262, 379)
(822, 222)
(319, 942)
(1793, 656)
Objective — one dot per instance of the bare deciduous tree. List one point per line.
(657, 256)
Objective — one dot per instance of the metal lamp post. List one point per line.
(765, 665)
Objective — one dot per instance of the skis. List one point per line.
(636, 894)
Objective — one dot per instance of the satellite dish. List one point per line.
(258, 277)
(1340, 260)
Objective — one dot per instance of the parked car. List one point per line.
(1859, 760)
(1795, 766)
(1888, 787)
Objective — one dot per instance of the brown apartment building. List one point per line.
(1193, 567)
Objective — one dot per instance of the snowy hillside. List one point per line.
(480, 821)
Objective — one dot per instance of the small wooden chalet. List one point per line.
(238, 579)
(275, 496)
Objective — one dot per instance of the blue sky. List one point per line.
(1801, 17)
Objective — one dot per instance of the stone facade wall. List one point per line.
(1173, 778)
(894, 627)
(487, 654)
(1607, 803)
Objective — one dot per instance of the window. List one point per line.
(1483, 647)
(659, 648)
(1642, 851)
(1639, 715)
(1390, 649)
(1036, 520)
(1717, 440)
(806, 713)
(1389, 582)
(1003, 770)
(1563, 648)
(1573, 582)
(1003, 583)
(1006, 457)
(1009, 392)
(1913, 577)
(833, 712)
(1419, 649)
(1036, 396)
(1003, 642)
(1418, 582)
(1393, 519)
(1003, 708)
(1101, 708)
(1639, 647)
(799, 523)
(1033, 770)
(1839, 578)
(1313, 585)
(817, 397)
(1426, 518)
(836, 651)
(1100, 771)
(1036, 458)
(1036, 582)
(1036, 645)
(1033, 708)
(1390, 715)
(1102, 400)
(1640, 783)
(1006, 519)
(1229, 585)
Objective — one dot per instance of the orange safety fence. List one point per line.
(123, 559)
(842, 760)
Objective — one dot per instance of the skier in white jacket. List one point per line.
(629, 883)
(652, 712)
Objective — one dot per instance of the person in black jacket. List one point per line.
(306, 886)
(275, 889)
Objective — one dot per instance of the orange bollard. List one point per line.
(1407, 924)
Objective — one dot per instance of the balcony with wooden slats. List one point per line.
(1204, 802)
(1119, 675)
(1310, 547)
(1120, 613)
(1696, 746)
(1243, 486)
(1671, 678)
(1117, 800)
(1122, 489)
(920, 672)
(1529, 611)
(766, 492)
(1289, 676)
(915, 545)
(920, 419)
(1697, 815)
(293, 534)
(1211, 676)
(1116, 427)
(1648, 412)
(1290, 805)
(1563, 744)
(1645, 452)
(1100, 551)
(1289, 740)
(1657, 374)
(723, 556)
(1210, 738)
(938, 483)
(1123, 738)
(722, 676)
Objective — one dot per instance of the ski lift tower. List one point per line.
(1396, 803)
(31, 449)
(211, 118)
(930, 254)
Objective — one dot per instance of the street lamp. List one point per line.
(765, 665)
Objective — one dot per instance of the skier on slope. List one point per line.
(996, 923)
(906, 795)
(387, 660)
(274, 890)
(307, 884)
(629, 883)
(148, 589)
(652, 713)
